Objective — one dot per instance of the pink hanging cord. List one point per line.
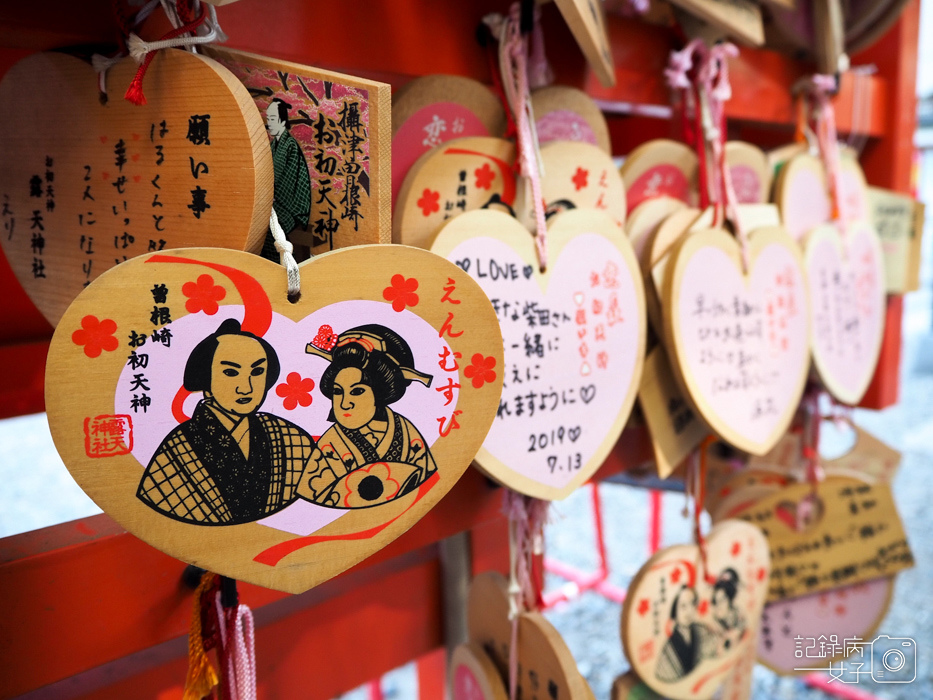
(527, 517)
(710, 67)
(513, 64)
(539, 70)
(239, 650)
(820, 90)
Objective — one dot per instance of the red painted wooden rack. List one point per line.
(93, 613)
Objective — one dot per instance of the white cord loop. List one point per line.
(285, 248)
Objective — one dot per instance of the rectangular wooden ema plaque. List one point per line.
(331, 138)
(899, 221)
(739, 18)
(851, 535)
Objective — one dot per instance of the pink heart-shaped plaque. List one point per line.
(846, 278)
(574, 342)
(739, 340)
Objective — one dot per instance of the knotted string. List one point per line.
(697, 468)
(539, 70)
(526, 541)
(100, 63)
(820, 89)
(701, 75)
(513, 64)
(285, 248)
(810, 453)
(188, 32)
(202, 678)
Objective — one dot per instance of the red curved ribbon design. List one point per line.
(689, 566)
(273, 555)
(258, 309)
(508, 179)
(257, 314)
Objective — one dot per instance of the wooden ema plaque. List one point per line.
(739, 18)
(675, 428)
(547, 668)
(801, 192)
(899, 222)
(684, 628)
(434, 109)
(273, 442)
(660, 167)
(587, 22)
(579, 176)
(646, 218)
(739, 341)
(190, 168)
(750, 172)
(329, 138)
(458, 176)
(845, 272)
(563, 113)
(473, 675)
(850, 534)
(574, 343)
(801, 625)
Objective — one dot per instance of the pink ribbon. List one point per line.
(539, 70)
(820, 90)
(240, 673)
(513, 63)
(713, 89)
(526, 539)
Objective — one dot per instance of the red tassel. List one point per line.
(134, 93)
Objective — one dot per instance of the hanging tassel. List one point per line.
(202, 678)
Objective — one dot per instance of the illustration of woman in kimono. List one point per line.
(370, 455)
(228, 463)
(729, 618)
(690, 642)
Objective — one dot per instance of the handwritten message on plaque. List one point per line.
(86, 186)
(574, 343)
(846, 277)
(854, 535)
(740, 342)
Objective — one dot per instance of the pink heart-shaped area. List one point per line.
(802, 624)
(845, 272)
(703, 614)
(740, 342)
(574, 342)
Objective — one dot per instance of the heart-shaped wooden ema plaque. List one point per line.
(660, 167)
(802, 193)
(739, 341)
(273, 442)
(192, 167)
(750, 172)
(564, 113)
(574, 343)
(847, 613)
(579, 175)
(846, 277)
(473, 675)
(458, 176)
(685, 627)
(434, 109)
(547, 666)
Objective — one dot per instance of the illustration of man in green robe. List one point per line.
(292, 193)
